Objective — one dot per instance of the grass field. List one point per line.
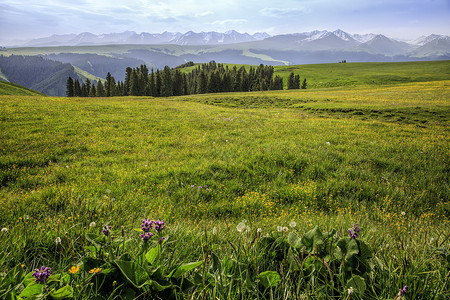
(376, 155)
(8, 88)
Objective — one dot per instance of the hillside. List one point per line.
(43, 75)
(8, 88)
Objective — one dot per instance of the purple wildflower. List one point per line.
(147, 225)
(106, 230)
(41, 274)
(159, 225)
(354, 231)
(146, 236)
(161, 240)
(403, 291)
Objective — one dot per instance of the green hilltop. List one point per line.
(8, 88)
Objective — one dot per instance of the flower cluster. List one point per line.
(354, 231)
(159, 225)
(148, 224)
(107, 231)
(41, 274)
(242, 227)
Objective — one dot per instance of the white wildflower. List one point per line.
(58, 240)
(403, 213)
(4, 229)
(214, 231)
(241, 227)
(350, 290)
(292, 224)
(259, 230)
(328, 143)
(92, 224)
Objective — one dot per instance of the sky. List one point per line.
(404, 19)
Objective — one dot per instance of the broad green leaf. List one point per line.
(178, 272)
(365, 251)
(312, 238)
(294, 240)
(94, 239)
(216, 266)
(269, 278)
(133, 272)
(357, 283)
(32, 290)
(158, 287)
(63, 293)
(151, 255)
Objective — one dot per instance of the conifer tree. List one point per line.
(296, 81)
(166, 88)
(291, 81)
(92, 91)
(100, 92)
(77, 88)
(69, 87)
(202, 83)
(304, 84)
(158, 84)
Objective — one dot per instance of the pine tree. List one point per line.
(166, 86)
(158, 84)
(134, 84)
(296, 81)
(77, 88)
(202, 83)
(92, 91)
(127, 81)
(100, 89)
(69, 87)
(291, 81)
(304, 84)
(108, 85)
(177, 83)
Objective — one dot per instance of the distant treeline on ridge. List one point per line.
(205, 78)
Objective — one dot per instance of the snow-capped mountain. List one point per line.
(317, 40)
(131, 37)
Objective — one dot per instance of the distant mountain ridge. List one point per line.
(317, 40)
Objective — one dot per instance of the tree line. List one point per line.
(205, 78)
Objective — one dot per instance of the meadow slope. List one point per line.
(376, 155)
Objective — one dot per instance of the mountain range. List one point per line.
(87, 55)
(318, 40)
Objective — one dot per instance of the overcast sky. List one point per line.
(24, 19)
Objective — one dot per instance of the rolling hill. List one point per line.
(9, 88)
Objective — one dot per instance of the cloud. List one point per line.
(229, 22)
(281, 12)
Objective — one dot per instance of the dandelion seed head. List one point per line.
(4, 229)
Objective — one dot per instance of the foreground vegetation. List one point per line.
(241, 180)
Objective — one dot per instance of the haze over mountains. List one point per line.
(319, 40)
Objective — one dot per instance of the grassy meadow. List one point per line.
(257, 191)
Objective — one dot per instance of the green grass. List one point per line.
(374, 155)
(354, 74)
(8, 88)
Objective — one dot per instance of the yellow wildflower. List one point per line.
(74, 269)
(95, 271)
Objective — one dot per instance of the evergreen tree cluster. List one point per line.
(205, 78)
